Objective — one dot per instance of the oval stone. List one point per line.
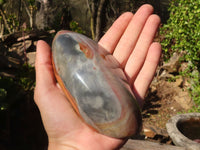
(95, 85)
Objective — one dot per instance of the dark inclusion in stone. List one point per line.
(96, 86)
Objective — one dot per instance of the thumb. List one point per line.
(51, 101)
(45, 80)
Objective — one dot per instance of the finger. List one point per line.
(131, 34)
(137, 58)
(112, 36)
(148, 70)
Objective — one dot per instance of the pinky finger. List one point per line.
(147, 72)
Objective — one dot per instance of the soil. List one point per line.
(159, 107)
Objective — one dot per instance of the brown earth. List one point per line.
(167, 96)
(161, 104)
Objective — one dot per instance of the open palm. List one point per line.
(130, 40)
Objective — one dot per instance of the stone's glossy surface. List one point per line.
(95, 85)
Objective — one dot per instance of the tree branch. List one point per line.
(98, 20)
(1, 31)
(92, 15)
(5, 21)
(29, 14)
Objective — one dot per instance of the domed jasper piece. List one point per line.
(95, 85)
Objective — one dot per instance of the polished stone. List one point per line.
(95, 85)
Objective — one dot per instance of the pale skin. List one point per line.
(130, 40)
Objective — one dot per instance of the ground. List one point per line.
(160, 105)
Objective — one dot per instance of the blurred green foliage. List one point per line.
(20, 123)
(11, 88)
(181, 34)
(1, 2)
(13, 22)
(31, 2)
(74, 26)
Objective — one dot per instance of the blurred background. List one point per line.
(176, 86)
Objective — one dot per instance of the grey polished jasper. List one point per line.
(97, 83)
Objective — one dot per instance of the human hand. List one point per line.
(130, 40)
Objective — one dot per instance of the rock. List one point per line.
(100, 108)
(179, 81)
(150, 131)
(183, 66)
(183, 99)
(31, 58)
(165, 75)
(176, 90)
(173, 65)
(153, 88)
